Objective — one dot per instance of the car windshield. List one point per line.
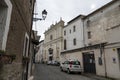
(75, 62)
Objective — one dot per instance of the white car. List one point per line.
(71, 66)
(49, 62)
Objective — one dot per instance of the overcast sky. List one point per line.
(67, 9)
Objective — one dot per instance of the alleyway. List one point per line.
(47, 72)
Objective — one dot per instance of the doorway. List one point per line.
(89, 62)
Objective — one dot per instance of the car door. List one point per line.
(63, 65)
(66, 65)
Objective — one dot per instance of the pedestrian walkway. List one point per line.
(93, 76)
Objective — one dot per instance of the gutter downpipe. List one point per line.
(83, 34)
(30, 35)
(105, 62)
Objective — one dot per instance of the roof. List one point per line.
(79, 16)
(76, 18)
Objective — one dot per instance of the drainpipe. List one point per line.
(30, 33)
(105, 61)
(83, 33)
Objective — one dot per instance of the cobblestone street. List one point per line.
(48, 72)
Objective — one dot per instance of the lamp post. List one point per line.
(44, 14)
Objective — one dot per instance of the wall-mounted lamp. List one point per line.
(44, 14)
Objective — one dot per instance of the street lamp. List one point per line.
(44, 14)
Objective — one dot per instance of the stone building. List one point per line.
(53, 41)
(16, 36)
(39, 54)
(102, 51)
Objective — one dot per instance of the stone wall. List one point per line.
(12, 72)
(19, 25)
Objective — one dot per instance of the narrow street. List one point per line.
(48, 72)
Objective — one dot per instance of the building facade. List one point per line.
(39, 54)
(73, 39)
(100, 50)
(53, 41)
(16, 24)
(101, 29)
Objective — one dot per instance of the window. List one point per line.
(51, 37)
(89, 35)
(70, 30)
(74, 41)
(74, 28)
(50, 51)
(74, 62)
(65, 45)
(88, 23)
(119, 56)
(26, 44)
(64, 32)
(66, 62)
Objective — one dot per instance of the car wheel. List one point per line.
(61, 69)
(79, 72)
(68, 71)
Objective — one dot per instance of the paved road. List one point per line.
(47, 72)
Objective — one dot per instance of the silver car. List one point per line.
(71, 66)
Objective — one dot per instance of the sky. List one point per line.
(65, 9)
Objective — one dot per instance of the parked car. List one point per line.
(56, 63)
(71, 66)
(49, 62)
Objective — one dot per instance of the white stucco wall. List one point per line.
(100, 69)
(113, 68)
(78, 34)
